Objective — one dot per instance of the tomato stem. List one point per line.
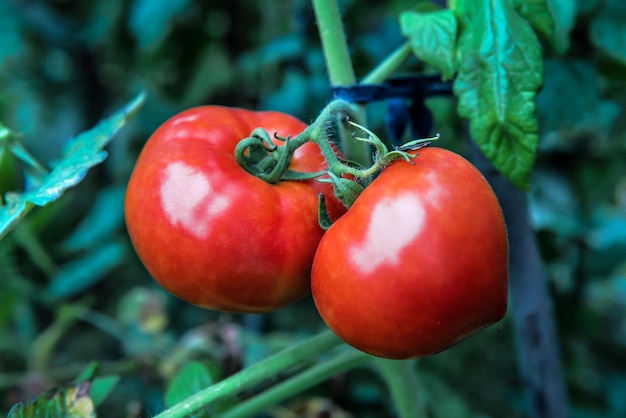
(259, 155)
(343, 361)
(339, 65)
(265, 369)
(389, 65)
(401, 379)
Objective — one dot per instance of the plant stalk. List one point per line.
(316, 374)
(401, 379)
(334, 43)
(256, 373)
(339, 65)
(389, 66)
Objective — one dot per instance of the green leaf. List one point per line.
(433, 38)
(67, 402)
(101, 388)
(538, 15)
(499, 73)
(88, 372)
(104, 219)
(462, 8)
(554, 19)
(191, 379)
(608, 31)
(79, 155)
(78, 275)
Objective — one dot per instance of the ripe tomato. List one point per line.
(419, 262)
(213, 234)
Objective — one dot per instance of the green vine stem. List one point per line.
(334, 43)
(258, 155)
(344, 361)
(265, 369)
(339, 65)
(261, 157)
(389, 65)
(401, 379)
(42, 347)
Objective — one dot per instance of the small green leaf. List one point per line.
(191, 379)
(433, 38)
(79, 155)
(101, 388)
(66, 402)
(104, 219)
(608, 32)
(554, 19)
(78, 401)
(499, 73)
(78, 275)
(464, 10)
(88, 372)
(538, 15)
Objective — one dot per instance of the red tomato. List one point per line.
(419, 262)
(213, 234)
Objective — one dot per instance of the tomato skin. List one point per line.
(419, 262)
(213, 234)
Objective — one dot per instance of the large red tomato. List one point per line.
(419, 262)
(210, 232)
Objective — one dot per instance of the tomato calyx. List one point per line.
(261, 156)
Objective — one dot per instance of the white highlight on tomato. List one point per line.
(394, 223)
(189, 199)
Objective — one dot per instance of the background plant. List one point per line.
(72, 290)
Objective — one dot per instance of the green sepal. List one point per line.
(346, 190)
(323, 218)
(300, 175)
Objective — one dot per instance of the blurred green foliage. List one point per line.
(72, 290)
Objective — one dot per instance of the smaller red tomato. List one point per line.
(419, 262)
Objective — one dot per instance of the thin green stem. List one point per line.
(334, 43)
(256, 373)
(316, 374)
(258, 155)
(389, 65)
(66, 373)
(401, 379)
(339, 65)
(42, 348)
